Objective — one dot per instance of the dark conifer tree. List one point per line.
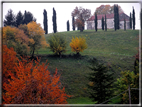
(102, 81)
(19, 19)
(141, 19)
(73, 23)
(133, 19)
(96, 23)
(102, 23)
(124, 23)
(54, 21)
(105, 23)
(68, 26)
(10, 19)
(115, 18)
(45, 21)
(130, 21)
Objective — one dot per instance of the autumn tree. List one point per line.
(19, 19)
(10, 19)
(24, 27)
(73, 23)
(96, 22)
(106, 9)
(133, 18)
(130, 21)
(57, 44)
(31, 83)
(45, 21)
(78, 44)
(102, 81)
(68, 26)
(102, 23)
(16, 38)
(81, 16)
(54, 21)
(36, 37)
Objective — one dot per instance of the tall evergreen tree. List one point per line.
(124, 23)
(102, 23)
(54, 21)
(45, 21)
(68, 26)
(141, 19)
(96, 23)
(133, 19)
(130, 21)
(28, 17)
(19, 19)
(115, 18)
(10, 19)
(73, 23)
(105, 23)
(101, 81)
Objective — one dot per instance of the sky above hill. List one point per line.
(63, 11)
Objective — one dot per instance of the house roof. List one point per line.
(110, 16)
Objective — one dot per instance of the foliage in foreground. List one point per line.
(57, 44)
(101, 81)
(31, 83)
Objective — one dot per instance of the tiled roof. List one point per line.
(110, 16)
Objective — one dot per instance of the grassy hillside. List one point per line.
(115, 48)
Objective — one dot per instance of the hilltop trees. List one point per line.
(45, 21)
(19, 19)
(54, 21)
(68, 26)
(102, 81)
(95, 21)
(10, 19)
(28, 17)
(133, 19)
(81, 15)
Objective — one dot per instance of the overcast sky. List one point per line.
(63, 11)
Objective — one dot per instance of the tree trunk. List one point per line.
(33, 52)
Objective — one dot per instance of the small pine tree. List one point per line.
(102, 82)
(102, 23)
(96, 22)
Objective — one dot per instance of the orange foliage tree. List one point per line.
(78, 44)
(32, 82)
(36, 35)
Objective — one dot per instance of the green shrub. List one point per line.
(57, 44)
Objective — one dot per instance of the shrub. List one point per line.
(31, 83)
(57, 44)
(78, 44)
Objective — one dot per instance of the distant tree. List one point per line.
(54, 21)
(115, 17)
(105, 23)
(102, 23)
(124, 23)
(133, 19)
(28, 17)
(73, 23)
(96, 23)
(102, 81)
(68, 26)
(19, 19)
(45, 21)
(10, 19)
(106, 9)
(130, 21)
(141, 18)
(81, 15)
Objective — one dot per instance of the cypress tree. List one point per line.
(19, 19)
(133, 19)
(54, 21)
(105, 23)
(141, 19)
(102, 81)
(45, 21)
(73, 23)
(68, 26)
(130, 21)
(124, 23)
(10, 19)
(102, 23)
(115, 18)
(95, 22)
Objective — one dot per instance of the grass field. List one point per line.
(115, 48)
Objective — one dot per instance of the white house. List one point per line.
(110, 21)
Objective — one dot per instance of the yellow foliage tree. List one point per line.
(78, 44)
(36, 35)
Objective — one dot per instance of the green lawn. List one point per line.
(115, 48)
